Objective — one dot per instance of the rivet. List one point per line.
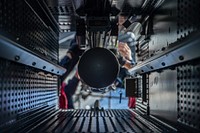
(163, 63)
(181, 57)
(163, 49)
(34, 63)
(17, 57)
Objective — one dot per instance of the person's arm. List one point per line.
(70, 60)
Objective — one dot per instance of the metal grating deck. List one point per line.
(93, 121)
(75, 121)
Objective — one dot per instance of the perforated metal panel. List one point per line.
(19, 22)
(22, 89)
(188, 20)
(188, 86)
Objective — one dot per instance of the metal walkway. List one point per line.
(88, 121)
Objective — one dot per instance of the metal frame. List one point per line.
(12, 51)
(184, 51)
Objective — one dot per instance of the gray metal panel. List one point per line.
(164, 27)
(14, 52)
(163, 94)
(188, 77)
(185, 51)
(23, 89)
(188, 20)
(22, 24)
(174, 24)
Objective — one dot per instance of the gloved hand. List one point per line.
(126, 46)
(125, 51)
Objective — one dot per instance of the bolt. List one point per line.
(181, 57)
(17, 57)
(163, 63)
(34, 63)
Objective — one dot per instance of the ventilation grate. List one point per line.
(189, 95)
(20, 23)
(188, 17)
(22, 89)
